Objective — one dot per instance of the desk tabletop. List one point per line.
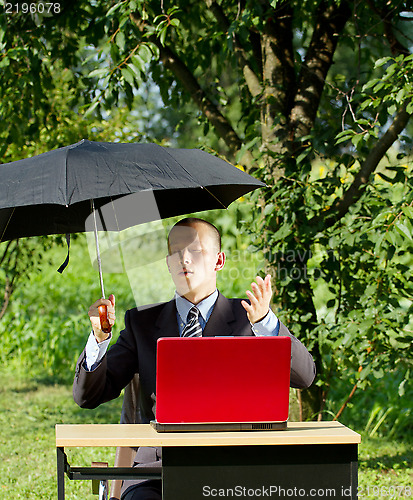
(133, 435)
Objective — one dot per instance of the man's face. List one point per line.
(193, 261)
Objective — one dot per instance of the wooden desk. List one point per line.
(309, 459)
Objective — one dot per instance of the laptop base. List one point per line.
(219, 426)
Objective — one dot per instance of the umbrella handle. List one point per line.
(104, 322)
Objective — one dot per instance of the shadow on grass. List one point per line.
(45, 401)
(106, 413)
(33, 384)
(388, 461)
(382, 453)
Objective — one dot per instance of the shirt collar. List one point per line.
(205, 307)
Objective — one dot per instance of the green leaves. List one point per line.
(395, 87)
(163, 22)
(114, 8)
(379, 98)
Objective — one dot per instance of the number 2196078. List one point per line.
(32, 8)
(385, 491)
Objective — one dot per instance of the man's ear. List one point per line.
(220, 261)
(167, 263)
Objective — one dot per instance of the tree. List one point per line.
(313, 98)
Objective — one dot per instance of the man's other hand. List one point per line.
(260, 298)
(95, 320)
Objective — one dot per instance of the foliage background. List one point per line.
(313, 97)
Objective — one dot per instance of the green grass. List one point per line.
(28, 415)
(29, 411)
(385, 467)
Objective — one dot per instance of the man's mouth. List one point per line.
(185, 272)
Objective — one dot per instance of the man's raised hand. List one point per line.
(260, 298)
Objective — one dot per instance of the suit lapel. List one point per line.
(167, 325)
(221, 321)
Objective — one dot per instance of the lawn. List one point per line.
(29, 411)
(28, 414)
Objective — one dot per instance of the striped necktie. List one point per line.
(193, 327)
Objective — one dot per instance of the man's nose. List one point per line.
(184, 256)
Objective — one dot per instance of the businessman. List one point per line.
(198, 308)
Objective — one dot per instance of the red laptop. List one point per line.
(222, 383)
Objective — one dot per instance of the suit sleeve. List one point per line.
(303, 369)
(106, 381)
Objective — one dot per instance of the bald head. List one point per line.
(198, 225)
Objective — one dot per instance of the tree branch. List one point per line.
(5, 264)
(6, 298)
(386, 14)
(331, 20)
(354, 192)
(279, 81)
(6, 250)
(251, 78)
(340, 411)
(278, 59)
(174, 63)
(222, 126)
(255, 40)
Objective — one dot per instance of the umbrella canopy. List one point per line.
(51, 193)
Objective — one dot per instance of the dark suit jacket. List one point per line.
(135, 352)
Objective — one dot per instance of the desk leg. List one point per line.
(61, 467)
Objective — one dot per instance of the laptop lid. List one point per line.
(223, 379)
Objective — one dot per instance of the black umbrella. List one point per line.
(51, 193)
(55, 192)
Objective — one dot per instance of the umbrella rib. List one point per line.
(114, 213)
(183, 168)
(200, 185)
(102, 220)
(212, 194)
